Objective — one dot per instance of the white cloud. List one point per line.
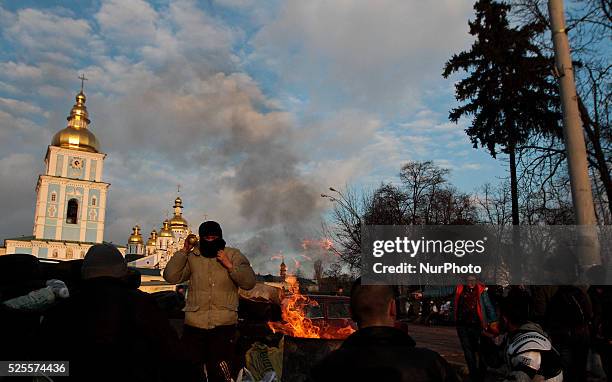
(17, 190)
(19, 134)
(41, 31)
(471, 166)
(17, 107)
(374, 55)
(13, 70)
(128, 21)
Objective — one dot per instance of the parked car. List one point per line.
(330, 311)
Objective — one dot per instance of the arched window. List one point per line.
(53, 196)
(73, 211)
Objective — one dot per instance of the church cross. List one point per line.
(83, 79)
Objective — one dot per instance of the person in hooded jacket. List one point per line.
(215, 273)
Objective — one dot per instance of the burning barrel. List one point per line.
(312, 326)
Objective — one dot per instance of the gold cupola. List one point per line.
(165, 231)
(178, 221)
(152, 239)
(135, 237)
(77, 135)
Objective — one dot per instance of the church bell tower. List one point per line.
(70, 195)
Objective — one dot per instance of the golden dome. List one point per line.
(135, 237)
(165, 231)
(152, 238)
(76, 135)
(178, 221)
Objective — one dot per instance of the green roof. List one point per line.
(31, 238)
(21, 238)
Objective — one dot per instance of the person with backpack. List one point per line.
(568, 319)
(529, 353)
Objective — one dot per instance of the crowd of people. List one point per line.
(92, 313)
(548, 331)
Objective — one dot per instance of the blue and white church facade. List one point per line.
(70, 196)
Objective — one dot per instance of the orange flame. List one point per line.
(296, 324)
(325, 244)
(298, 264)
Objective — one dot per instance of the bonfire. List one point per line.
(295, 322)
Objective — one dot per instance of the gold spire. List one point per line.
(135, 238)
(178, 221)
(77, 135)
(283, 269)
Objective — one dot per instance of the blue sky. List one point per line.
(254, 107)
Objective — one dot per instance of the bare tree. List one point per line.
(494, 204)
(345, 225)
(424, 198)
(387, 206)
(317, 266)
(449, 206)
(421, 180)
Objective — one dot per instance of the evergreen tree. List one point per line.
(509, 92)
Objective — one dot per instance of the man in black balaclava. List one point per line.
(215, 272)
(211, 237)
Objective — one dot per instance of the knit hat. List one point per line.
(103, 260)
(210, 228)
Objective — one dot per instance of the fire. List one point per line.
(325, 244)
(296, 324)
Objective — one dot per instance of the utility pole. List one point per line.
(582, 197)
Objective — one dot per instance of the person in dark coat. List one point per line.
(601, 332)
(378, 351)
(19, 275)
(109, 330)
(568, 318)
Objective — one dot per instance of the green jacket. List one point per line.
(212, 299)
